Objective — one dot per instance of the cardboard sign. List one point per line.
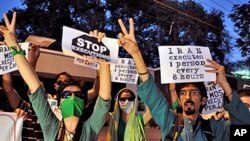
(80, 44)
(87, 63)
(124, 71)
(39, 40)
(184, 64)
(7, 63)
(10, 127)
(214, 98)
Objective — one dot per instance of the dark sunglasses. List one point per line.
(123, 99)
(67, 94)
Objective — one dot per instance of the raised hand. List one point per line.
(127, 39)
(98, 35)
(9, 31)
(220, 76)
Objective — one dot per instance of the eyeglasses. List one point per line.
(67, 94)
(123, 99)
(191, 92)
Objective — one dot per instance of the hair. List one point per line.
(125, 90)
(244, 92)
(70, 82)
(200, 85)
(62, 73)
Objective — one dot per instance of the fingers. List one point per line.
(91, 33)
(123, 28)
(20, 113)
(100, 36)
(6, 20)
(13, 21)
(121, 39)
(131, 26)
(95, 33)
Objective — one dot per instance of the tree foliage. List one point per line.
(240, 15)
(161, 22)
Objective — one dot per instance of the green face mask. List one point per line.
(72, 106)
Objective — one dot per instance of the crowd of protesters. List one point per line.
(81, 122)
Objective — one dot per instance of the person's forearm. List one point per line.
(227, 90)
(105, 81)
(26, 71)
(141, 67)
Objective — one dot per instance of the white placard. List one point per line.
(87, 63)
(124, 71)
(214, 99)
(10, 127)
(56, 110)
(184, 64)
(7, 63)
(80, 44)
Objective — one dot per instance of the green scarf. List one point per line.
(134, 130)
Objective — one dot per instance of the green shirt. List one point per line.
(50, 124)
(164, 116)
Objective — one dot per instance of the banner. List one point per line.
(81, 45)
(184, 64)
(214, 98)
(124, 71)
(10, 127)
(87, 63)
(7, 63)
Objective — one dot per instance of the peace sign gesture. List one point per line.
(127, 39)
(9, 31)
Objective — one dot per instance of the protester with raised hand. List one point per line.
(71, 96)
(192, 96)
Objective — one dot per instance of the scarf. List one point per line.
(134, 130)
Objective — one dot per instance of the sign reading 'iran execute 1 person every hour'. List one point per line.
(82, 45)
(184, 64)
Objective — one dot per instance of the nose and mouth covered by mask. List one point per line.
(126, 106)
(72, 106)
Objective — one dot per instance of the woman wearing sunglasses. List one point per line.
(125, 123)
(71, 102)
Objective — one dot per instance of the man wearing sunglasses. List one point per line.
(125, 123)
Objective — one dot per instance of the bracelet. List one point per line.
(15, 52)
(144, 73)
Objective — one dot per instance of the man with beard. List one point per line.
(192, 97)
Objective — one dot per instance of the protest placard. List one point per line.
(214, 98)
(80, 44)
(184, 64)
(10, 127)
(86, 63)
(39, 40)
(124, 71)
(54, 107)
(7, 63)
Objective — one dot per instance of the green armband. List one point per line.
(15, 52)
